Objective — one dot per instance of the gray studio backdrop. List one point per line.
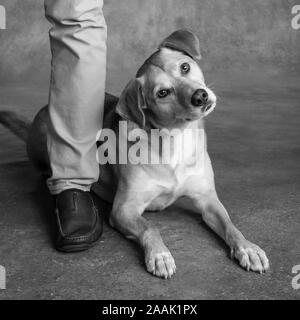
(236, 36)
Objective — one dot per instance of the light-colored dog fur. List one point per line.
(161, 97)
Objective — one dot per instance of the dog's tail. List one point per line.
(14, 123)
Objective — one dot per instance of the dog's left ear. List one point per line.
(184, 41)
(131, 104)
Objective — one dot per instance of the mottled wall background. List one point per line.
(236, 36)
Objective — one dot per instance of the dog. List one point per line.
(169, 92)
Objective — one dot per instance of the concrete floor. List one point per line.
(254, 145)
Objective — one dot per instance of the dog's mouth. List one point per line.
(205, 110)
(207, 107)
(196, 113)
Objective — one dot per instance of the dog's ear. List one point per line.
(131, 104)
(184, 41)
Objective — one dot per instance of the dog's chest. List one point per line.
(173, 176)
(172, 188)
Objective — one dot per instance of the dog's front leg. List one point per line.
(214, 214)
(127, 217)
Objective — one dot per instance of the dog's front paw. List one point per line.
(250, 256)
(160, 264)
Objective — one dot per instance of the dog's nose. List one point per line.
(199, 98)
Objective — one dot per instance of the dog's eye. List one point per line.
(185, 68)
(163, 93)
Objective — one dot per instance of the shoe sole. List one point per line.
(75, 247)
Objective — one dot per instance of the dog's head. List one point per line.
(169, 90)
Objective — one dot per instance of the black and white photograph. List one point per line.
(149, 151)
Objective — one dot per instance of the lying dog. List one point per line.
(169, 92)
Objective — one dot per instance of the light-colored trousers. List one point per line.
(76, 99)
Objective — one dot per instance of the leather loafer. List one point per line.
(78, 221)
